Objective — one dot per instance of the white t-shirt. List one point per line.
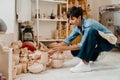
(109, 37)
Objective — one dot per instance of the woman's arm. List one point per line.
(64, 48)
(66, 44)
(62, 44)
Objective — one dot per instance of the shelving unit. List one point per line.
(56, 1)
(47, 29)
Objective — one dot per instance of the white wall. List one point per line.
(115, 1)
(95, 4)
(7, 13)
(45, 27)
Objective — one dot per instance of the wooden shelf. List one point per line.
(52, 20)
(59, 9)
(50, 40)
(55, 1)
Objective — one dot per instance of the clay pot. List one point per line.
(51, 45)
(19, 69)
(36, 68)
(57, 63)
(57, 56)
(29, 45)
(14, 71)
(44, 58)
(16, 58)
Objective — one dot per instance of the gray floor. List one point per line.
(106, 68)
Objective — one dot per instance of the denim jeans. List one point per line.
(89, 51)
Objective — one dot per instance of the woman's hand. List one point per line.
(63, 48)
(56, 49)
(59, 48)
(51, 51)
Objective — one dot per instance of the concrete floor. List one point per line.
(107, 68)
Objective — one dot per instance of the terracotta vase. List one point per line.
(44, 58)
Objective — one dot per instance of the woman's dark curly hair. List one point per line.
(75, 12)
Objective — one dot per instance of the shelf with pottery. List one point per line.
(56, 1)
(54, 20)
(46, 22)
(50, 40)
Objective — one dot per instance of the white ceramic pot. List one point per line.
(57, 63)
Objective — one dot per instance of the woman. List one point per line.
(95, 39)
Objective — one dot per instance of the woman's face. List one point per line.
(75, 21)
